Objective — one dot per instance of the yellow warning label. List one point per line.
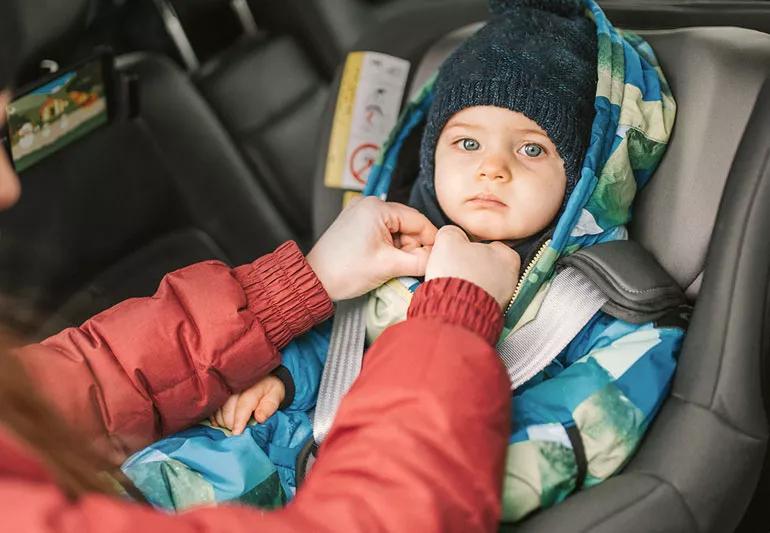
(343, 117)
(371, 89)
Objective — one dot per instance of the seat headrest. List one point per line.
(45, 23)
(715, 74)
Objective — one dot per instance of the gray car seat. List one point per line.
(328, 29)
(105, 218)
(704, 216)
(270, 90)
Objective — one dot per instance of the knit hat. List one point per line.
(537, 57)
(9, 44)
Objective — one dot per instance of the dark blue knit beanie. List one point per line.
(537, 57)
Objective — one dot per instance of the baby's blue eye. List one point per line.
(533, 150)
(470, 144)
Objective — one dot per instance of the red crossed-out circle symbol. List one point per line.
(361, 161)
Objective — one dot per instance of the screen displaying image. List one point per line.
(53, 115)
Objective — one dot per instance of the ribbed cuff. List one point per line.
(284, 293)
(460, 302)
(284, 375)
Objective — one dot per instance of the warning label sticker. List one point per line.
(371, 89)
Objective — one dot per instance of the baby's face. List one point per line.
(498, 175)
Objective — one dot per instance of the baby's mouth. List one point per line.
(486, 200)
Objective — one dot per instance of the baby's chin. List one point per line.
(490, 231)
(490, 225)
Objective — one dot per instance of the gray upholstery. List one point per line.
(270, 92)
(674, 216)
(328, 29)
(46, 23)
(704, 216)
(208, 172)
(639, 290)
(668, 14)
(270, 97)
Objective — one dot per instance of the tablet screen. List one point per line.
(50, 116)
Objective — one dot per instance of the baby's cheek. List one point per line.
(446, 194)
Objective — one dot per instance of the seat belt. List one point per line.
(569, 304)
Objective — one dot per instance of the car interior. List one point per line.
(216, 149)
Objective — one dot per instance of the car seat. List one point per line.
(704, 216)
(270, 90)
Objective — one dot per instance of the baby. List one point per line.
(500, 153)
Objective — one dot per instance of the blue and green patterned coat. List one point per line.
(606, 386)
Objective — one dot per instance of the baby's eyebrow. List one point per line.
(528, 131)
(463, 125)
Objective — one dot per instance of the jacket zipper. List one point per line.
(526, 273)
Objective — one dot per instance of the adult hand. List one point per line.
(494, 267)
(371, 242)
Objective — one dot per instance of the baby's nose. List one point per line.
(495, 176)
(495, 171)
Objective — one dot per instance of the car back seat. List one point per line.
(328, 29)
(270, 91)
(270, 96)
(106, 217)
(704, 217)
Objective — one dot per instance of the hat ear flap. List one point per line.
(565, 8)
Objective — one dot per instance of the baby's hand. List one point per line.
(261, 399)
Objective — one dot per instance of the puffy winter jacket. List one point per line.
(418, 444)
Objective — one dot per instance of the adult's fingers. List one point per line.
(452, 233)
(406, 220)
(504, 249)
(406, 242)
(406, 262)
(511, 255)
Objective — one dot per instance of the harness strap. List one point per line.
(569, 304)
(343, 363)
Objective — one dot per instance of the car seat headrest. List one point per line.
(716, 75)
(674, 215)
(439, 52)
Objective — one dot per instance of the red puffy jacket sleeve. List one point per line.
(418, 443)
(151, 366)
